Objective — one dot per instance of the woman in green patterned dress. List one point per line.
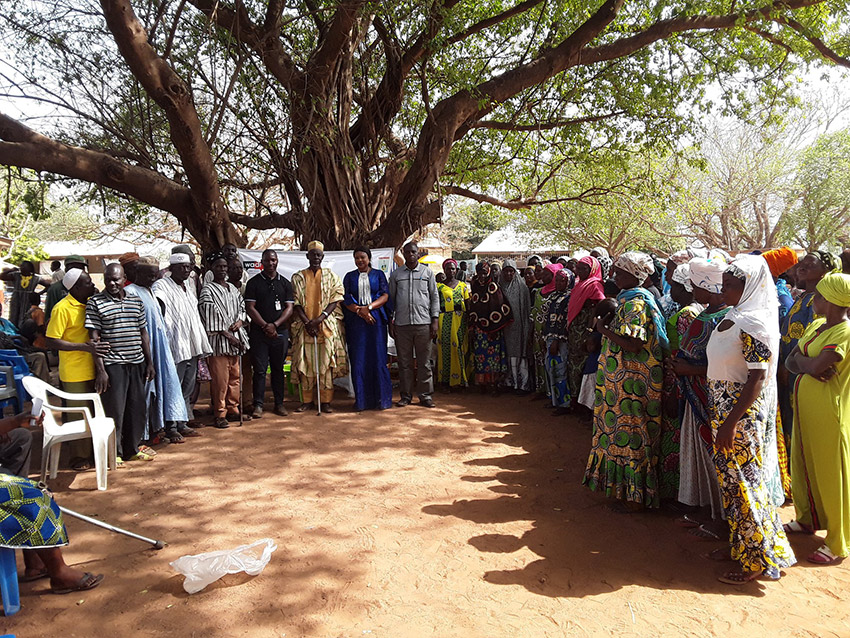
(539, 309)
(624, 455)
(30, 520)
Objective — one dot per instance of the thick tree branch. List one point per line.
(266, 44)
(493, 20)
(587, 196)
(266, 222)
(21, 146)
(337, 36)
(544, 126)
(169, 91)
(816, 42)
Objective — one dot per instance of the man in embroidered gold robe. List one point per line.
(317, 330)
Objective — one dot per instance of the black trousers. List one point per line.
(15, 453)
(124, 401)
(263, 352)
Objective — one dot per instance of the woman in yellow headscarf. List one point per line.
(820, 446)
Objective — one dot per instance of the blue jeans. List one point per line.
(264, 350)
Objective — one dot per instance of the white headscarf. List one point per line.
(757, 313)
(682, 275)
(636, 263)
(602, 251)
(706, 273)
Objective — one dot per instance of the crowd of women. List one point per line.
(699, 374)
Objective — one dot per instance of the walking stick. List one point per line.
(316, 364)
(156, 544)
(241, 399)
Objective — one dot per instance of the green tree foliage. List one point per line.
(347, 121)
(819, 215)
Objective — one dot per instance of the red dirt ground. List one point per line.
(466, 520)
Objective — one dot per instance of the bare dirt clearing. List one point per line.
(465, 520)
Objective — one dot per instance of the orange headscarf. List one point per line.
(780, 260)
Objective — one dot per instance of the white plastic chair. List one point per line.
(99, 427)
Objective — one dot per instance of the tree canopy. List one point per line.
(350, 121)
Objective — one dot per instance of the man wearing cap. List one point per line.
(129, 262)
(66, 332)
(57, 291)
(413, 290)
(269, 302)
(317, 332)
(118, 319)
(186, 334)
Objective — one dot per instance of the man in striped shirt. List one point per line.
(120, 374)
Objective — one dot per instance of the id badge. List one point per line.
(277, 305)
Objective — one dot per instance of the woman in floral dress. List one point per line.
(742, 355)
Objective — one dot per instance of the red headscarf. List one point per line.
(553, 268)
(590, 288)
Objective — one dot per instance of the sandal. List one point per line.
(88, 581)
(140, 456)
(720, 555)
(738, 578)
(704, 533)
(310, 406)
(119, 463)
(221, 423)
(796, 527)
(80, 464)
(174, 436)
(33, 577)
(823, 556)
(687, 521)
(147, 450)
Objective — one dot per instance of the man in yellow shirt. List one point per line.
(67, 333)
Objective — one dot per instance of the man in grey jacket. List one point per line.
(413, 290)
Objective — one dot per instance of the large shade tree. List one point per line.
(349, 121)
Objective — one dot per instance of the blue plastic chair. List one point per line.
(9, 582)
(21, 370)
(8, 391)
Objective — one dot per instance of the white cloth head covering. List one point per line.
(681, 257)
(179, 258)
(682, 275)
(636, 263)
(719, 253)
(602, 251)
(71, 277)
(757, 313)
(706, 273)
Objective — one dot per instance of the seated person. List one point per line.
(34, 325)
(11, 339)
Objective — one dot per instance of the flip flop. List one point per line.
(88, 581)
(33, 577)
(823, 556)
(81, 465)
(147, 450)
(738, 578)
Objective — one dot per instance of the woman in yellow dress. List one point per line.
(820, 445)
(453, 360)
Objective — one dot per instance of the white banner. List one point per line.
(340, 261)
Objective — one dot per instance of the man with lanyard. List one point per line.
(268, 303)
(121, 372)
(57, 290)
(66, 332)
(187, 336)
(317, 333)
(413, 290)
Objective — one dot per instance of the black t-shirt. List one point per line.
(270, 296)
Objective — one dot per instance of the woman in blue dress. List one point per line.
(366, 321)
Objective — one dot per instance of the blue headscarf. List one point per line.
(654, 311)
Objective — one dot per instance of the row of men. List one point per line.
(141, 342)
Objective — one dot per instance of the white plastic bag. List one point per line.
(202, 569)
